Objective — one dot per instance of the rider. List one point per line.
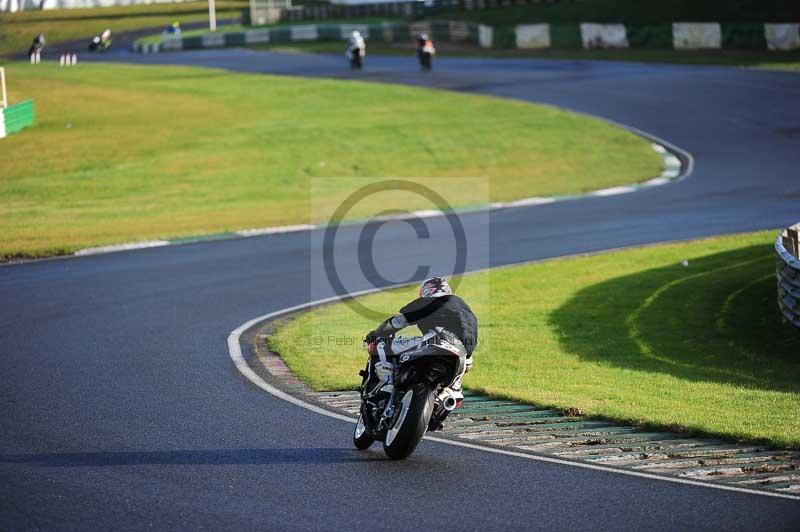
(174, 28)
(436, 309)
(354, 43)
(38, 44)
(425, 46)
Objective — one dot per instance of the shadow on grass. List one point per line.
(714, 320)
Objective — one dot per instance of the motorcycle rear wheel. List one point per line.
(411, 424)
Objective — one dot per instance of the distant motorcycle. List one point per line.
(425, 51)
(407, 394)
(100, 43)
(356, 51)
(37, 46)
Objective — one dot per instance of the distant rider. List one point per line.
(100, 43)
(37, 45)
(356, 49)
(436, 309)
(425, 50)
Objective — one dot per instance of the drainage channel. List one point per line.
(524, 427)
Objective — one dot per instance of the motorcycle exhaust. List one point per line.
(449, 403)
(449, 399)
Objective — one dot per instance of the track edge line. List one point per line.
(236, 355)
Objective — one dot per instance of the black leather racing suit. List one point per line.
(449, 312)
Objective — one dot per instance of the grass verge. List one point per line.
(634, 336)
(18, 29)
(123, 153)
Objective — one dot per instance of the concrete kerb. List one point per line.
(249, 330)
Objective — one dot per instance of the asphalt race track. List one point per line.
(122, 409)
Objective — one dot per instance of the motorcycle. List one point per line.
(404, 395)
(425, 60)
(37, 46)
(355, 54)
(100, 43)
(425, 51)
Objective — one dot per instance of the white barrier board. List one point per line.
(348, 29)
(171, 43)
(782, 36)
(420, 26)
(306, 32)
(533, 36)
(696, 35)
(256, 36)
(12, 6)
(604, 35)
(485, 36)
(213, 40)
(459, 31)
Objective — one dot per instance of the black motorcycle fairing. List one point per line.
(432, 365)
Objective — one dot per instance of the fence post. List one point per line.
(4, 101)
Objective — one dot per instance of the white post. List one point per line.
(4, 101)
(212, 15)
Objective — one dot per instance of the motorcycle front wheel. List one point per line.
(416, 407)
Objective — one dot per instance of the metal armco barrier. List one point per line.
(440, 30)
(570, 35)
(788, 274)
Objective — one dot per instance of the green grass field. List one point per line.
(122, 153)
(18, 29)
(632, 335)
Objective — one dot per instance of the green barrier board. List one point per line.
(744, 36)
(18, 116)
(234, 39)
(565, 36)
(650, 36)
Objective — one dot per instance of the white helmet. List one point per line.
(356, 34)
(435, 287)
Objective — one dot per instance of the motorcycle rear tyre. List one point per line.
(413, 425)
